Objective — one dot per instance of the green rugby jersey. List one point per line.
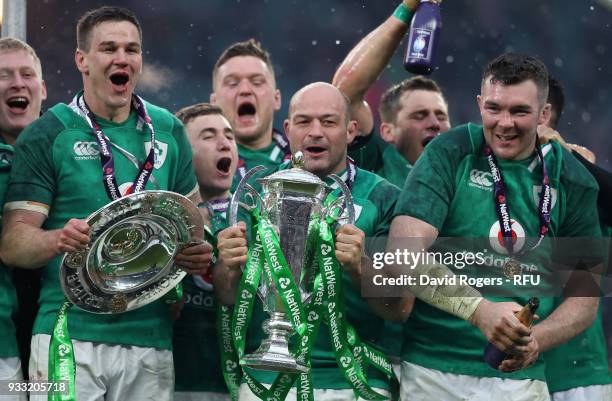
(375, 155)
(195, 345)
(452, 176)
(580, 362)
(8, 297)
(374, 200)
(271, 157)
(583, 360)
(57, 163)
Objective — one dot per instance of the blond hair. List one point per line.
(12, 44)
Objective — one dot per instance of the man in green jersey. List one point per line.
(22, 91)
(412, 112)
(577, 370)
(57, 180)
(318, 125)
(196, 353)
(244, 86)
(498, 167)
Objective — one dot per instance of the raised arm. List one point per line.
(366, 61)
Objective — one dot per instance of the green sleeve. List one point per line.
(185, 180)
(33, 172)
(429, 188)
(580, 221)
(581, 218)
(367, 152)
(386, 195)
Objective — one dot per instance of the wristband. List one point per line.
(403, 13)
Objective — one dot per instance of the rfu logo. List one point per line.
(85, 150)
(481, 179)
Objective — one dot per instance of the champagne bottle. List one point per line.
(423, 38)
(492, 355)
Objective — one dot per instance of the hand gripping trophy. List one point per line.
(287, 215)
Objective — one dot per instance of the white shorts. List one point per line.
(424, 384)
(107, 372)
(10, 370)
(598, 392)
(201, 396)
(245, 394)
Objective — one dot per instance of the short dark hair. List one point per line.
(390, 100)
(556, 98)
(90, 19)
(515, 68)
(249, 47)
(186, 114)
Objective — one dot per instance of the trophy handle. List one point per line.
(244, 186)
(346, 199)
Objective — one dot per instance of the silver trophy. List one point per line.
(130, 258)
(291, 199)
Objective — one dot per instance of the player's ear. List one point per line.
(386, 132)
(351, 131)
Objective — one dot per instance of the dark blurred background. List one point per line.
(308, 39)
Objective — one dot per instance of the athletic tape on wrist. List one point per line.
(458, 300)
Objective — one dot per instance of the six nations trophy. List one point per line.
(291, 201)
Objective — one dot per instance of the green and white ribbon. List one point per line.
(353, 356)
(278, 272)
(62, 366)
(332, 279)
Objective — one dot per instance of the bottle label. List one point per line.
(420, 39)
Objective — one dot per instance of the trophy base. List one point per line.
(273, 354)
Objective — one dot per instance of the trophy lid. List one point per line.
(295, 175)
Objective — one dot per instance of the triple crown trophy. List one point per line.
(293, 201)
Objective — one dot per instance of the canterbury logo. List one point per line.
(86, 149)
(481, 178)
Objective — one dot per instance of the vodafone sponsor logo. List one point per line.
(496, 237)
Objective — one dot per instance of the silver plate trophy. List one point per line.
(130, 258)
(290, 199)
